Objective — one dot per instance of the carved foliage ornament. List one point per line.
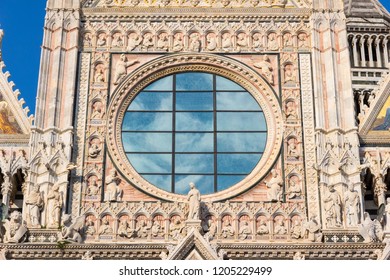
(225, 67)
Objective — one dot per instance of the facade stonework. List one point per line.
(71, 189)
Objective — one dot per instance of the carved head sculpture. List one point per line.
(192, 185)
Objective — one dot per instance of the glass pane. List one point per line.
(161, 84)
(241, 142)
(194, 101)
(225, 84)
(151, 163)
(147, 142)
(237, 164)
(225, 182)
(241, 121)
(194, 81)
(194, 142)
(204, 183)
(152, 101)
(147, 121)
(194, 163)
(236, 101)
(194, 121)
(161, 181)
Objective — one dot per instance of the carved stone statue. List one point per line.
(72, 231)
(105, 228)
(287, 40)
(134, 41)
(117, 40)
(211, 42)
(193, 199)
(102, 40)
(147, 42)
(242, 42)
(370, 230)
(99, 76)
(296, 230)
(387, 215)
(266, 69)
(121, 68)
(88, 40)
(90, 228)
(157, 229)
(262, 228)
(272, 42)
(15, 230)
(302, 41)
(280, 228)
(289, 74)
(194, 43)
(313, 229)
(245, 231)
(163, 42)
(257, 43)
(227, 230)
(178, 44)
(352, 206)
(97, 110)
(124, 230)
(292, 148)
(142, 229)
(54, 206)
(291, 110)
(113, 191)
(295, 189)
(176, 229)
(332, 207)
(275, 186)
(34, 206)
(94, 148)
(93, 187)
(226, 42)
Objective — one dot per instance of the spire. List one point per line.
(1, 40)
(365, 9)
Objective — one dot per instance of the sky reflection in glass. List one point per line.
(194, 127)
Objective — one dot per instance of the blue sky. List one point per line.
(22, 22)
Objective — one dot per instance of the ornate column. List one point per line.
(377, 45)
(355, 52)
(6, 189)
(385, 52)
(370, 54)
(362, 51)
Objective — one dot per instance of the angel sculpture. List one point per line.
(370, 230)
(72, 231)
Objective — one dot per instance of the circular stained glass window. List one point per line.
(194, 127)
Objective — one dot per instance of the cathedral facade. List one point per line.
(201, 129)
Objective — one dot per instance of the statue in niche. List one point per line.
(371, 98)
(266, 69)
(211, 228)
(387, 215)
(287, 40)
(94, 148)
(242, 42)
(163, 42)
(88, 40)
(295, 189)
(292, 148)
(117, 41)
(99, 76)
(121, 68)
(134, 41)
(178, 44)
(291, 110)
(105, 228)
(302, 41)
(272, 42)
(93, 188)
(313, 229)
(176, 229)
(114, 192)
(97, 111)
(257, 43)
(227, 230)
(193, 199)
(124, 230)
(370, 230)
(142, 229)
(72, 231)
(332, 207)
(352, 206)
(34, 205)
(54, 206)
(245, 230)
(289, 74)
(157, 229)
(262, 228)
(211, 41)
(227, 42)
(195, 44)
(147, 42)
(102, 40)
(90, 228)
(296, 230)
(280, 228)
(15, 230)
(274, 186)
